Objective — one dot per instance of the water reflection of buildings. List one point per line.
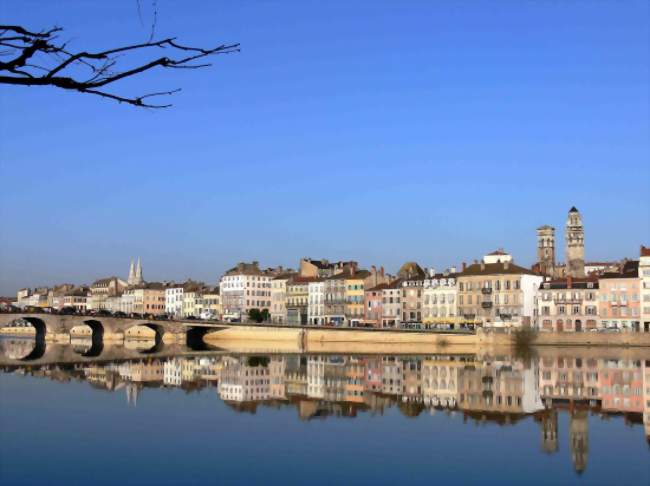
(502, 390)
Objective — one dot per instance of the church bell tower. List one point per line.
(575, 244)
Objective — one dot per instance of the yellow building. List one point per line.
(354, 294)
(210, 305)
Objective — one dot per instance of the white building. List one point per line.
(174, 301)
(316, 303)
(644, 276)
(172, 372)
(245, 287)
(439, 297)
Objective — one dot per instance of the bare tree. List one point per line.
(40, 59)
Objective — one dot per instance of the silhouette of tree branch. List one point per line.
(66, 69)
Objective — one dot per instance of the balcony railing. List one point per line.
(486, 290)
(486, 305)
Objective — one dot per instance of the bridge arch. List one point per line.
(147, 330)
(194, 338)
(93, 329)
(38, 324)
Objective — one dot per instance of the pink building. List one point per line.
(619, 305)
(621, 386)
(373, 305)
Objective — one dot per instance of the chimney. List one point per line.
(464, 266)
(432, 272)
(381, 270)
(569, 282)
(506, 265)
(452, 269)
(482, 265)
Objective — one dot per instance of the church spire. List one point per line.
(131, 279)
(138, 272)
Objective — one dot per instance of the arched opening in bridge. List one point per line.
(39, 338)
(147, 331)
(88, 338)
(195, 340)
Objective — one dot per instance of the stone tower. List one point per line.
(575, 245)
(579, 439)
(549, 432)
(546, 249)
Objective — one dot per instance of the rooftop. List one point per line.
(498, 268)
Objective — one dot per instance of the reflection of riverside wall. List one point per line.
(571, 339)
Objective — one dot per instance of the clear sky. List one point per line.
(377, 131)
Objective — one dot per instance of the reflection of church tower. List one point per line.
(135, 274)
(546, 249)
(579, 439)
(132, 391)
(575, 244)
(549, 432)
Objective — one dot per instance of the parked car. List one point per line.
(119, 314)
(68, 310)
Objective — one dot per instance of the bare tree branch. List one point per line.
(64, 71)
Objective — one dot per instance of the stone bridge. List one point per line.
(61, 328)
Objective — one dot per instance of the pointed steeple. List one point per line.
(138, 272)
(131, 278)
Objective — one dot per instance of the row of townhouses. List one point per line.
(494, 292)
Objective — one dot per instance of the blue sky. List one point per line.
(379, 131)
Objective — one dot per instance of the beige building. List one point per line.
(148, 298)
(298, 299)
(102, 290)
(412, 277)
(497, 292)
(279, 298)
(210, 304)
(391, 304)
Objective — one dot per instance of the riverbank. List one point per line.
(361, 341)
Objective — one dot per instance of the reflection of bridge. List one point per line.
(54, 354)
(59, 328)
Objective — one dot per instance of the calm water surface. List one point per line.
(559, 417)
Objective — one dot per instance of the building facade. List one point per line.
(497, 292)
(567, 305)
(245, 287)
(316, 306)
(619, 305)
(644, 287)
(439, 299)
(279, 298)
